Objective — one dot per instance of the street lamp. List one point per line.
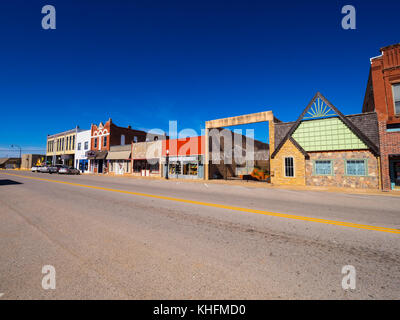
(17, 146)
(167, 161)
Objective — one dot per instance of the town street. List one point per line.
(108, 239)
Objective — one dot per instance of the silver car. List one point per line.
(68, 170)
(44, 169)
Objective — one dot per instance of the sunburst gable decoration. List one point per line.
(319, 109)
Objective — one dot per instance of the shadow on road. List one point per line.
(7, 182)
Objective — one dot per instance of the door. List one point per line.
(100, 166)
(396, 172)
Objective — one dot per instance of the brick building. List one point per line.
(103, 136)
(383, 96)
(326, 148)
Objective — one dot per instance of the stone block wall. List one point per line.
(339, 177)
(278, 166)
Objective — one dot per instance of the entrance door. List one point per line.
(100, 166)
(396, 174)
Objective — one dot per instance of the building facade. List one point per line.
(60, 147)
(83, 139)
(236, 156)
(146, 159)
(119, 159)
(183, 158)
(325, 148)
(383, 97)
(30, 160)
(103, 136)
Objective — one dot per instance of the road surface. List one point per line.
(124, 238)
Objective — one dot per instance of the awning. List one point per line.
(96, 154)
(118, 155)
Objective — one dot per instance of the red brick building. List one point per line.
(103, 136)
(383, 96)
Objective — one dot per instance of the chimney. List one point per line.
(129, 127)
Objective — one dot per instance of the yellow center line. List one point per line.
(222, 206)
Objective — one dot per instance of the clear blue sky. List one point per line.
(146, 62)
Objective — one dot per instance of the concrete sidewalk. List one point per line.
(258, 184)
(254, 184)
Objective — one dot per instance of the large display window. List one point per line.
(175, 168)
(190, 168)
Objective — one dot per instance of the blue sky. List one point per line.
(143, 63)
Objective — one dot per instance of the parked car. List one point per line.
(44, 169)
(35, 169)
(68, 170)
(55, 168)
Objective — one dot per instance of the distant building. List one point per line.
(10, 163)
(383, 97)
(60, 147)
(30, 160)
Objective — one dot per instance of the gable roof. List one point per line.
(319, 113)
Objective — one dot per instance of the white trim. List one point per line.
(284, 166)
(370, 59)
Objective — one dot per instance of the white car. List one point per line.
(35, 169)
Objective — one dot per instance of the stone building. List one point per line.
(383, 97)
(325, 148)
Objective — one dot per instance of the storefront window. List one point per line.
(190, 168)
(139, 165)
(175, 168)
(154, 166)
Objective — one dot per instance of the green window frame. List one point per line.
(356, 167)
(323, 167)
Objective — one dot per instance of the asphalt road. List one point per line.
(106, 244)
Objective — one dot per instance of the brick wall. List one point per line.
(339, 177)
(114, 135)
(385, 71)
(390, 144)
(278, 165)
